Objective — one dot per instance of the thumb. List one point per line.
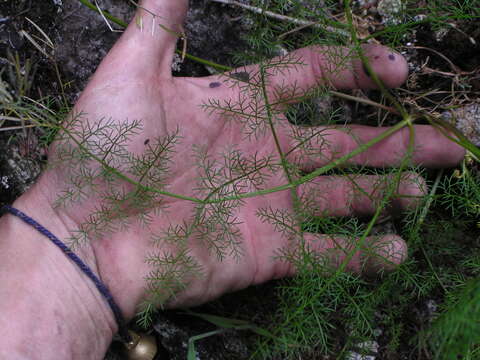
(147, 45)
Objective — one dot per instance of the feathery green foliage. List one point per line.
(324, 309)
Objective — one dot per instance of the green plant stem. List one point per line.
(325, 168)
(364, 101)
(421, 220)
(283, 159)
(291, 185)
(448, 130)
(408, 121)
(429, 201)
(232, 181)
(121, 176)
(268, 108)
(110, 17)
(123, 24)
(333, 277)
(205, 62)
(439, 20)
(361, 241)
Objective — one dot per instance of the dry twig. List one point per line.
(273, 15)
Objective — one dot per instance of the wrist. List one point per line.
(48, 300)
(105, 259)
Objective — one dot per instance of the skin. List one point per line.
(134, 82)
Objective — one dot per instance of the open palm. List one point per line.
(134, 83)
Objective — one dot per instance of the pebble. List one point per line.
(369, 346)
(352, 355)
(467, 120)
(177, 63)
(391, 11)
(4, 182)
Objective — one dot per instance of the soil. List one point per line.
(214, 31)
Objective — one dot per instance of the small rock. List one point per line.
(352, 355)
(441, 33)
(368, 346)
(419, 17)
(432, 307)
(391, 11)
(366, 350)
(432, 310)
(176, 63)
(4, 182)
(467, 120)
(17, 172)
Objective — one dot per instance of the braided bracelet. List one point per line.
(132, 341)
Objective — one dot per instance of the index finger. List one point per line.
(337, 67)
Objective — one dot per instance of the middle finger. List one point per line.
(431, 148)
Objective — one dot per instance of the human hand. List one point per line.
(134, 82)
